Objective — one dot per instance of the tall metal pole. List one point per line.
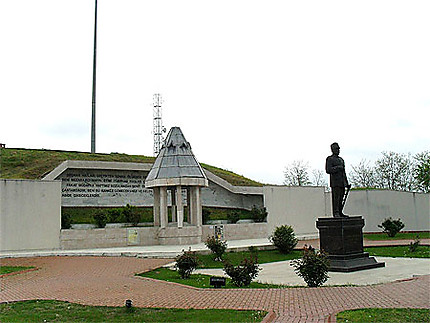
(93, 114)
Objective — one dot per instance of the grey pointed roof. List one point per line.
(176, 164)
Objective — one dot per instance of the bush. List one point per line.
(391, 227)
(413, 246)
(244, 273)
(312, 267)
(114, 215)
(258, 214)
(206, 215)
(233, 216)
(186, 263)
(217, 247)
(284, 238)
(100, 218)
(66, 220)
(131, 214)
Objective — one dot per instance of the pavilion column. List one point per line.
(199, 212)
(174, 208)
(195, 206)
(156, 207)
(163, 207)
(179, 206)
(189, 220)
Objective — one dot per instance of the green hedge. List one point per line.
(82, 215)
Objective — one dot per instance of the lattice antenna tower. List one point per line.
(158, 123)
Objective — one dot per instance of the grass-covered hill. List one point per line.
(17, 163)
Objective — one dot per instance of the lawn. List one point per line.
(263, 256)
(398, 236)
(399, 251)
(392, 315)
(12, 269)
(57, 311)
(196, 280)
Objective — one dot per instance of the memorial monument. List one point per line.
(342, 236)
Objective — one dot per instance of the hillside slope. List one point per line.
(17, 163)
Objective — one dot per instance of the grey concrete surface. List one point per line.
(282, 273)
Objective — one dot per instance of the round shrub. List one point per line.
(391, 227)
(100, 218)
(217, 246)
(244, 273)
(186, 263)
(131, 214)
(312, 267)
(66, 220)
(233, 216)
(258, 214)
(206, 214)
(284, 238)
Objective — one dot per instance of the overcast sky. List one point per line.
(254, 85)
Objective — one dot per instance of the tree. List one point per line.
(422, 171)
(319, 178)
(362, 175)
(395, 171)
(297, 174)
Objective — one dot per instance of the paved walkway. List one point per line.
(111, 280)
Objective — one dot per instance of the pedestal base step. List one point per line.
(353, 262)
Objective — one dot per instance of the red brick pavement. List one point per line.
(111, 280)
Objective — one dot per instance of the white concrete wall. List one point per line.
(376, 205)
(30, 214)
(299, 207)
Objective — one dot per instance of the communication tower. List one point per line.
(157, 123)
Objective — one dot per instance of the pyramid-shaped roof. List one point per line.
(176, 164)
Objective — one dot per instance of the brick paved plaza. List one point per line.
(111, 280)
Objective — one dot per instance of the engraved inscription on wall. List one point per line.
(103, 187)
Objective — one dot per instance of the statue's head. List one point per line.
(335, 149)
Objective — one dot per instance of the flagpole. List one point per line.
(93, 114)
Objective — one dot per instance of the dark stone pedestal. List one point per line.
(342, 239)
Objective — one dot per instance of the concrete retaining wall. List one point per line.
(376, 205)
(242, 231)
(97, 183)
(30, 214)
(301, 206)
(150, 236)
(107, 238)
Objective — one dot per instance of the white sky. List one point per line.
(254, 85)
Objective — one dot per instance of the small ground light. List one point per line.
(128, 303)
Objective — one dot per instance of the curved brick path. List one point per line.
(111, 280)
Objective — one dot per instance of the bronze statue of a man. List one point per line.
(335, 166)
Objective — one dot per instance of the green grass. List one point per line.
(399, 251)
(207, 261)
(195, 280)
(398, 236)
(57, 311)
(18, 163)
(12, 269)
(392, 315)
(264, 256)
